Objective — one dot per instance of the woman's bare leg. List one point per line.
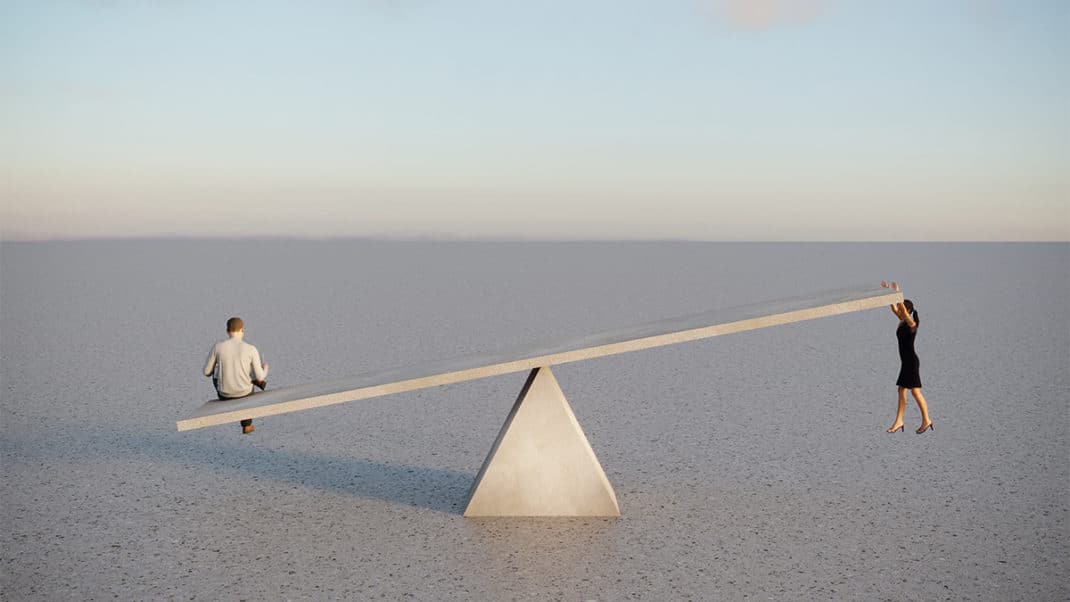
(899, 413)
(923, 406)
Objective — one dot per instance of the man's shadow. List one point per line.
(440, 490)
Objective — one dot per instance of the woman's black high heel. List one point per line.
(928, 427)
(895, 430)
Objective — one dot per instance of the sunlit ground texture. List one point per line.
(752, 465)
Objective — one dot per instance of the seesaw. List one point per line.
(541, 464)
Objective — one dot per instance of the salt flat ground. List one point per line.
(749, 466)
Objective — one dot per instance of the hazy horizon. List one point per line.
(765, 120)
(445, 238)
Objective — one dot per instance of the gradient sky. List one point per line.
(690, 119)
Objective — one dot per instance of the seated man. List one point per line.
(235, 367)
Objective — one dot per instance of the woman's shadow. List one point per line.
(436, 489)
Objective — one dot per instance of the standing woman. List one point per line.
(909, 376)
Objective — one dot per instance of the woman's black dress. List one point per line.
(909, 376)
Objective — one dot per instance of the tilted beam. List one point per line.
(443, 372)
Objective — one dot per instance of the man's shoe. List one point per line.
(245, 430)
(261, 383)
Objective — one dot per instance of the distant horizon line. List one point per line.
(487, 239)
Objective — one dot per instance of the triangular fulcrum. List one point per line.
(541, 464)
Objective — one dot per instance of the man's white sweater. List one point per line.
(239, 363)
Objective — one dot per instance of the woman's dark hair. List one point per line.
(910, 307)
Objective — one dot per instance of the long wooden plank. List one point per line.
(443, 372)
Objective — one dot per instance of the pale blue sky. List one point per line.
(692, 119)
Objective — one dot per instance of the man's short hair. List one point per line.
(235, 324)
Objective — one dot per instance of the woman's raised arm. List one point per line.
(898, 309)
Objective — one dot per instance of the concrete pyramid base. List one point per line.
(541, 464)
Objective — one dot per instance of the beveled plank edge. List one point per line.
(447, 378)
